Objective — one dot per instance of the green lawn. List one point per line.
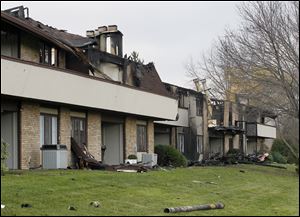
(258, 191)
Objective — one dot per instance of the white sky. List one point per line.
(166, 33)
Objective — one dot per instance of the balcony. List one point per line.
(183, 120)
(261, 130)
(30, 80)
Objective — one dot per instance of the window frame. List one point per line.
(11, 31)
(199, 107)
(44, 129)
(199, 146)
(43, 46)
(181, 142)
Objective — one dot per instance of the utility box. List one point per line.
(149, 160)
(54, 156)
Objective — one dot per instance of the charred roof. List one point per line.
(149, 81)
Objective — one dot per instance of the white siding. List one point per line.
(266, 131)
(183, 120)
(30, 81)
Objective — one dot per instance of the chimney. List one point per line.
(102, 29)
(90, 33)
(197, 84)
(112, 28)
(109, 38)
(18, 12)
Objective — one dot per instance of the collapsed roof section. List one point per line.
(86, 50)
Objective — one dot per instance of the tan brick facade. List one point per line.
(29, 48)
(130, 136)
(150, 136)
(30, 135)
(94, 134)
(65, 130)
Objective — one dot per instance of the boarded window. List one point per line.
(180, 144)
(141, 138)
(48, 129)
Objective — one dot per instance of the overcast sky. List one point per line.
(166, 33)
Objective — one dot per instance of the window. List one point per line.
(199, 105)
(48, 129)
(181, 101)
(141, 138)
(108, 44)
(9, 43)
(199, 144)
(78, 130)
(180, 145)
(48, 55)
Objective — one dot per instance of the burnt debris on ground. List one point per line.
(233, 158)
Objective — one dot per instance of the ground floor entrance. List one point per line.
(9, 135)
(216, 145)
(112, 139)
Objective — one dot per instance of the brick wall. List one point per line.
(65, 130)
(94, 134)
(29, 48)
(150, 131)
(130, 136)
(30, 135)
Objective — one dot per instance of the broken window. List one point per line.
(180, 145)
(141, 138)
(199, 144)
(48, 129)
(181, 100)
(48, 54)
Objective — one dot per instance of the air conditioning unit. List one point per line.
(54, 156)
(140, 156)
(149, 160)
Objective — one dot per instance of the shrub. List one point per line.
(132, 157)
(280, 147)
(270, 158)
(169, 156)
(279, 158)
(233, 156)
(234, 151)
(4, 156)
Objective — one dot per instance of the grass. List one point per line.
(259, 191)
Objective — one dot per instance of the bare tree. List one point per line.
(260, 60)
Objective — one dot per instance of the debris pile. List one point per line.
(129, 168)
(87, 160)
(236, 158)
